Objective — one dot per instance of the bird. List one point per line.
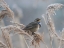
(33, 26)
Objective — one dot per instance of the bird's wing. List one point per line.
(31, 25)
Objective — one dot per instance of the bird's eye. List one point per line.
(38, 20)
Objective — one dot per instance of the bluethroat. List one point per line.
(33, 26)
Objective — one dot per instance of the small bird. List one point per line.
(33, 26)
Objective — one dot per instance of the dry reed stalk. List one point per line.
(37, 38)
(47, 17)
(7, 38)
(25, 42)
(17, 24)
(7, 10)
(16, 29)
(3, 45)
(60, 44)
(62, 35)
(61, 41)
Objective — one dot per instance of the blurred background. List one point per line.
(27, 10)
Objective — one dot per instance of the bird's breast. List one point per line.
(35, 29)
(38, 28)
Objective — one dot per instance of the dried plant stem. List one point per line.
(44, 41)
(6, 31)
(47, 21)
(59, 44)
(17, 24)
(7, 12)
(45, 44)
(3, 45)
(47, 18)
(7, 8)
(25, 42)
(16, 30)
(51, 38)
(7, 39)
(3, 13)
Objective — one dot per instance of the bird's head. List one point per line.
(37, 20)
